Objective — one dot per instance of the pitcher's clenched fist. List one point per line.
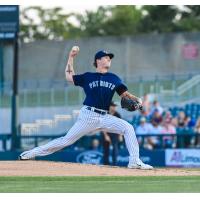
(74, 51)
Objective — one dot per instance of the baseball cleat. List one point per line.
(139, 165)
(22, 156)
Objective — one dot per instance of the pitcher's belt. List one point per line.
(102, 112)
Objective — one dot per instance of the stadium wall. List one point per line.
(157, 158)
(143, 55)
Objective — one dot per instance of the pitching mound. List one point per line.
(47, 168)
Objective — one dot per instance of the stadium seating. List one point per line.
(191, 110)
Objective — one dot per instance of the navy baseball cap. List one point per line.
(101, 54)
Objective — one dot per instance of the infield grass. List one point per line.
(99, 184)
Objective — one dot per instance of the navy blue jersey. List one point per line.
(99, 88)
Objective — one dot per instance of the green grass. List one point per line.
(100, 184)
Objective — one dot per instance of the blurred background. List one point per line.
(156, 54)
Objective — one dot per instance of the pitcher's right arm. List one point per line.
(69, 70)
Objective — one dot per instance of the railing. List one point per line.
(30, 141)
(58, 93)
(5, 138)
(186, 91)
(188, 84)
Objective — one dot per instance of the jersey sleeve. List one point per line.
(121, 87)
(79, 79)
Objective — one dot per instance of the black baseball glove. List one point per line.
(130, 105)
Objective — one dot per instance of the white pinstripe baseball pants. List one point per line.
(89, 121)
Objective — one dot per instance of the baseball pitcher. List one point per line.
(99, 88)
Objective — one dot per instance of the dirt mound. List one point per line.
(48, 168)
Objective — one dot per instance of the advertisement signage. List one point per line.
(155, 158)
(182, 157)
(9, 21)
(190, 51)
